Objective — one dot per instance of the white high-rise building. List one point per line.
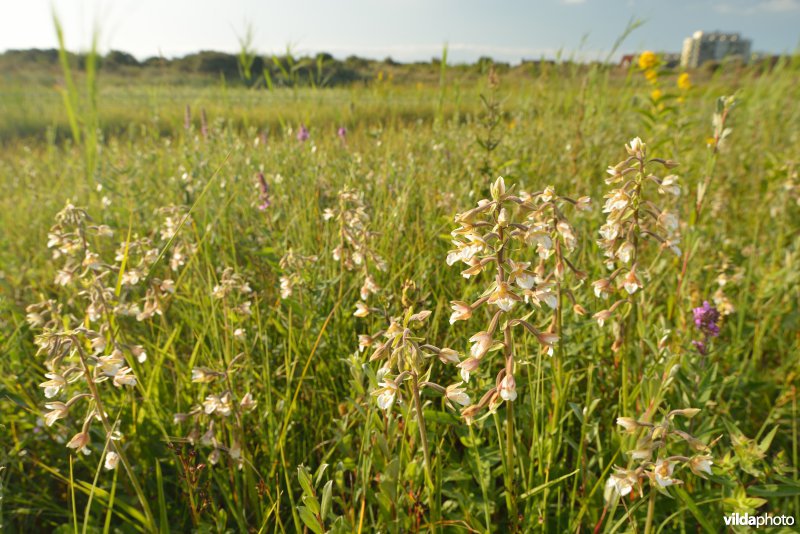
(713, 46)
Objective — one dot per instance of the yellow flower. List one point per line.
(651, 75)
(647, 60)
(684, 82)
(656, 95)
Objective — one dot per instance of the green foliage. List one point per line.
(299, 357)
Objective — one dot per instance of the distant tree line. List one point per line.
(320, 69)
(284, 70)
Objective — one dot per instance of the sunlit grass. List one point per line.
(298, 357)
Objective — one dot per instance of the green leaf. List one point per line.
(327, 493)
(312, 503)
(309, 519)
(767, 441)
(542, 487)
(305, 480)
(318, 476)
(774, 490)
(690, 504)
(577, 411)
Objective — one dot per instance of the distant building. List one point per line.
(713, 46)
(670, 59)
(627, 60)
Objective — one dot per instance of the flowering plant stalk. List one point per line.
(632, 219)
(494, 237)
(294, 267)
(88, 355)
(716, 144)
(408, 359)
(653, 462)
(354, 252)
(210, 418)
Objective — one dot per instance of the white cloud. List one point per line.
(781, 5)
(573, 2)
(762, 6)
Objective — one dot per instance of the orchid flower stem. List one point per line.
(481, 482)
(651, 506)
(109, 430)
(423, 434)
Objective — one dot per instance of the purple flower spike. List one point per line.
(303, 134)
(263, 194)
(342, 133)
(706, 319)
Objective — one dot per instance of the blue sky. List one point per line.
(406, 30)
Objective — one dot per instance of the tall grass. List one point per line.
(363, 468)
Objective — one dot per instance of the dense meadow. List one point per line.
(250, 310)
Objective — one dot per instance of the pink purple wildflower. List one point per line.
(263, 193)
(706, 318)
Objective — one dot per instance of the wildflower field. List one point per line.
(564, 301)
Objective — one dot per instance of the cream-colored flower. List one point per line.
(286, 287)
(625, 252)
(518, 273)
(508, 388)
(548, 194)
(498, 189)
(617, 201)
(619, 484)
(668, 221)
(701, 464)
(218, 404)
(203, 375)
(386, 393)
(79, 441)
(112, 459)
(602, 288)
(468, 366)
(481, 343)
(663, 473)
(448, 356)
(636, 148)
(247, 403)
(669, 185)
(457, 394)
(503, 297)
(583, 204)
(631, 281)
(610, 231)
(369, 287)
(641, 454)
(461, 311)
(544, 293)
(630, 424)
(58, 410)
(124, 377)
(361, 310)
(602, 316)
(54, 385)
